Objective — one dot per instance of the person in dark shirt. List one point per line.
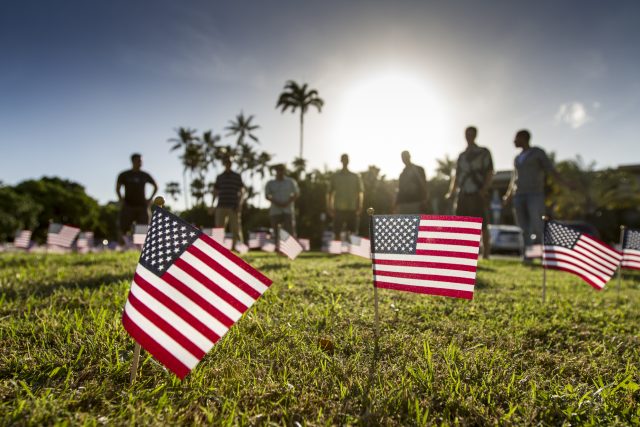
(411, 197)
(134, 204)
(229, 191)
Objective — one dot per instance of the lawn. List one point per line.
(305, 352)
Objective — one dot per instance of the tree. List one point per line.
(186, 138)
(299, 97)
(172, 189)
(242, 127)
(17, 212)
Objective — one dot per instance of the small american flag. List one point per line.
(140, 234)
(427, 254)
(85, 240)
(22, 239)
(61, 235)
(588, 258)
(631, 249)
(289, 245)
(360, 247)
(187, 292)
(257, 239)
(242, 248)
(268, 246)
(334, 247)
(306, 244)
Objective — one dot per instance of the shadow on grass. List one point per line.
(275, 266)
(47, 289)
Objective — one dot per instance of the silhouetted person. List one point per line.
(134, 204)
(526, 188)
(411, 197)
(229, 191)
(344, 199)
(282, 192)
(472, 181)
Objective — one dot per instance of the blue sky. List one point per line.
(82, 86)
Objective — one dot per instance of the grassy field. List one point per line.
(305, 353)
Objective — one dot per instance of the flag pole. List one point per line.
(544, 269)
(622, 229)
(370, 212)
(158, 201)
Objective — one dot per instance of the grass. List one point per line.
(304, 354)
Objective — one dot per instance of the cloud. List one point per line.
(574, 114)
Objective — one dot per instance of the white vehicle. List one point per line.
(506, 238)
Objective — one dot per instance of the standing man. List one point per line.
(472, 180)
(229, 190)
(411, 197)
(526, 188)
(344, 199)
(282, 192)
(134, 205)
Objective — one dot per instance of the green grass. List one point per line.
(305, 352)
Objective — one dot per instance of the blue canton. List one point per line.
(395, 234)
(559, 235)
(631, 240)
(168, 237)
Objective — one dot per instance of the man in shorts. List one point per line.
(282, 192)
(472, 181)
(134, 205)
(344, 199)
(229, 190)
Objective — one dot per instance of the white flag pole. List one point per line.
(158, 201)
(622, 230)
(370, 212)
(544, 269)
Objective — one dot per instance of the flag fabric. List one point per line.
(334, 247)
(569, 250)
(217, 234)
(85, 240)
(257, 239)
(289, 245)
(187, 291)
(306, 244)
(360, 247)
(140, 234)
(268, 246)
(533, 251)
(22, 239)
(631, 249)
(427, 254)
(242, 248)
(61, 235)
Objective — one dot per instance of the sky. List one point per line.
(85, 84)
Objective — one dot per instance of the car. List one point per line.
(506, 238)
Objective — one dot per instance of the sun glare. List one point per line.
(388, 113)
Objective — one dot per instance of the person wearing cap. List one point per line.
(134, 205)
(229, 190)
(344, 199)
(411, 197)
(282, 192)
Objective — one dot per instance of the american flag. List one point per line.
(631, 249)
(61, 235)
(257, 239)
(289, 245)
(306, 244)
(85, 240)
(334, 247)
(360, 247)
(268, 246)
(139, 234)
(186, 293)
(22, 239)
(242, 248)
(427, 254)
(572, 251)
(217, 234)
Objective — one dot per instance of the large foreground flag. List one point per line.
(428, 254)
(631, 249)
(61, 235)
(22, 239)
(572, 251)
(187, 291)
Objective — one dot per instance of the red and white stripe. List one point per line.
(444, 263)
(22, 239)
(257, 239)
(180, 315)
(290, 246)
(593, 261)
(64, 237)
(306, 244)
(630, 259)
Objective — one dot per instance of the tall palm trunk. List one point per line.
(301, 130)
(186, 193)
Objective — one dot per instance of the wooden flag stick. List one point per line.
(370, 212)
(544, 270)
(620, 266)
(158, 201)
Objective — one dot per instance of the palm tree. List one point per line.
(186, 137)
(172, 189)
(296, 97)
(242, 127)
